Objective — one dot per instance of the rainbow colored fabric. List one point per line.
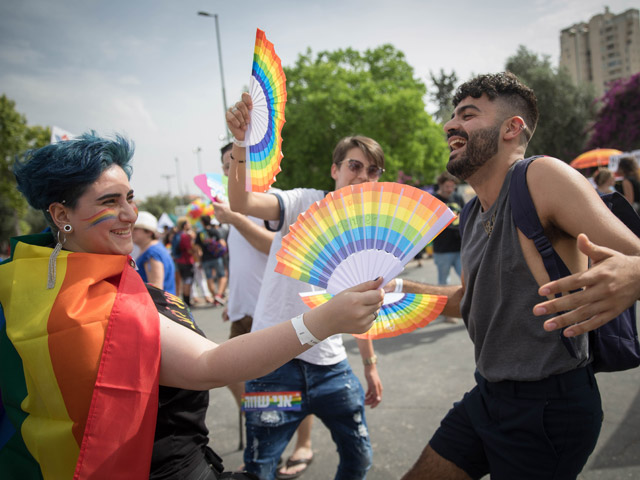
(268, 90)
(80, 364)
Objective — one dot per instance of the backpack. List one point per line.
(175, 245)
(213, 245)
(614, 346)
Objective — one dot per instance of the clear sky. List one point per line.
(149, 69)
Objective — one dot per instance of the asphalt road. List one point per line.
(423, 373)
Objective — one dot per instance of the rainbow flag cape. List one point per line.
(80, 364)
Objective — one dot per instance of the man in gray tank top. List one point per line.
(535, 412)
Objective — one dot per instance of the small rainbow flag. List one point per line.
(255, 401)
(80, 364)
(268, 90)
(400, 313)
(213, 185)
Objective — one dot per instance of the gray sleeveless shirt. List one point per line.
(510, 343)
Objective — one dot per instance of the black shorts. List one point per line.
(186, 272)
(524, 430)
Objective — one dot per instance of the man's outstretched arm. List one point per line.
(610, 286)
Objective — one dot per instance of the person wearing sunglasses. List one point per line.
(373, 172)
(329, 388)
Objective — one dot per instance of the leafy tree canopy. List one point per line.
(162, 202)
(347, 92)
(617, 122)
(566, 110)
(442, 95)
(16, 137)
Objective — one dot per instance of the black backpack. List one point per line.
(614, 346)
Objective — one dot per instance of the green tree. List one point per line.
(442, 96)
(346, 92)
(566, 110)
(162, 202)
(16, 137)
(617, 123)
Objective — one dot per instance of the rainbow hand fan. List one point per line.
(268, 90)
(361, 232)
(400, 313)
(213, 185)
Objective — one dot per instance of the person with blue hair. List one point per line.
(102, 375)
(63, 171)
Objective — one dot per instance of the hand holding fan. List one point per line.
(400, 313)
(268, 90)
(360, 232)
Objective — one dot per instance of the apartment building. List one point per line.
(605, 49)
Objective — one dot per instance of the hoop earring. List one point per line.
(51, 277)
(67, 228)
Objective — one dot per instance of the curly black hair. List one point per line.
(517, 97)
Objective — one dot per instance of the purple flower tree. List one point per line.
(617, 123)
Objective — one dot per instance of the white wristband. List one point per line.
(398, 288)
(240, 143)
(304, 335)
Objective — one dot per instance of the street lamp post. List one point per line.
(178, 177)
(224, 93)
(197, 151)
(168, 177)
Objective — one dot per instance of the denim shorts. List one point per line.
(330, 392)
(524, 430)
(444, 261)
(213, 265)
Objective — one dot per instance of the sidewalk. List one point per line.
(423, 373)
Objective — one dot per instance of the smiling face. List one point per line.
(344, 175)
(103, 216)
(473, 134)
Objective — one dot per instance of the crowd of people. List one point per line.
(199, 254)
(535, 409)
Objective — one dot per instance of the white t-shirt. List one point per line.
(246, 268)
(279, 300)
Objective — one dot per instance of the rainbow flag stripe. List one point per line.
(400, 312)
(80, 363)
(256, 401)
(360, 232)
(268, 90)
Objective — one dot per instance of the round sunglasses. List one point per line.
(356, 167)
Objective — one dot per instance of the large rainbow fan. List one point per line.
(400, 313)
(360, 232)
(268, 90)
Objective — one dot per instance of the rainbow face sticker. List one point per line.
(101, 216)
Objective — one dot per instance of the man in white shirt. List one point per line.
(248, 243)
(322, 376)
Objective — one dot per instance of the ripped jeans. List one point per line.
(330, 392)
